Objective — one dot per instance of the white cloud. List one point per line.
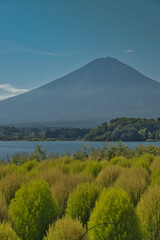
(128, 51)
(9, 47)
(7, 91)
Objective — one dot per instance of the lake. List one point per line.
(8, 148)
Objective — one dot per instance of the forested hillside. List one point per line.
(126, 129)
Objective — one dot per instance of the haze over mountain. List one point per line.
(99, 91)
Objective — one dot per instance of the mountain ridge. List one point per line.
(100, 90)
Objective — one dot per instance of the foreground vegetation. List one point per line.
(96, 194)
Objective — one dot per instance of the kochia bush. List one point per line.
(81, 201)
(3, 209)
(134, 181)
(120, 161)
(66, 229)
(108, 176)
(62, 189)
(148, 210)
(93, 167)
(116, 211)
(7, 233)
(32, 210)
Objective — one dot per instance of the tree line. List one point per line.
(124, 129)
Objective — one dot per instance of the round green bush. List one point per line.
(147, 157)
(7, 233)
(115, 209)
(76, 166)
(10, 184)
(29, 165)
(140, 163)
(81, 201)
(108, 175)
(134, 181)
(120, 161)
(62, 188)
(93, 167)
(32, 210)
(148, 210)
(66, 229)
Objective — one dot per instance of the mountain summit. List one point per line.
(99, 91)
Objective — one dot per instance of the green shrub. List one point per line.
(148, 210)
(10, 184)
(156, 163)
(120, 161)
(148, 157)
(7, 169)
(93, 167)
(117, 212)
(66, 229)
(64, 159)
(7, 233)
(140, 163)
(62, 188)
(50, 175)
(63, 163)
(3, 209)
(32, 210)
(29, 165)
(108, 175)
(155, 177)
(81, 201)
(76, 166)
(134, 181)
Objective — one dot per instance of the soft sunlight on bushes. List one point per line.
(155, 177)
(10, 184)
(156, 163)
(32, 210)
(148, 211)
(66, 229)
(108, 176)
(120, 161)
(115, 210)
(93, 167)
(62, 188)
(53, 197)
(7, 233)
(134, 181)
(81, 201)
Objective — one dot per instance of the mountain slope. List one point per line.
(99, 91)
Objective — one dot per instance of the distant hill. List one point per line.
(101, 90)
(126, 129)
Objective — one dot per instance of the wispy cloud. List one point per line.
(128, 51)
(7, 91)
(8, 47)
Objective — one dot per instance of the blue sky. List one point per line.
(41, 40)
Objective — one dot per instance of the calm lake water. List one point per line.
(8, 148)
